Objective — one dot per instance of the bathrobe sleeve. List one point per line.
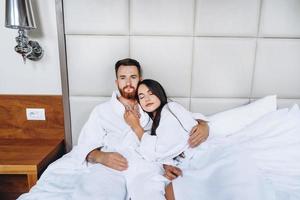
(175, 120)
(91, 136)
(147, 147)
(185, 117)
(200, 116)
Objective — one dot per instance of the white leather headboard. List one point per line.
(210, 55)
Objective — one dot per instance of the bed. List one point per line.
(260, 119)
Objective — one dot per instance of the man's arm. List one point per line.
(112, 160)
(199, 134)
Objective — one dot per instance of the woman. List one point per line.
(221, 168)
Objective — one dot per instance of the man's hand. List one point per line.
(172, 172)
(199, 134)
(112, 160)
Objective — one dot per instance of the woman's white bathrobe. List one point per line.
(261, 162)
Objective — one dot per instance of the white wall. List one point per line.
(34, 77)
(210, 55)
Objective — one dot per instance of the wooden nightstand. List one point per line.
(28, 156)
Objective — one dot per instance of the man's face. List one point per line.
(127, 80)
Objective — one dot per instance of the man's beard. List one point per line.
(127, 95)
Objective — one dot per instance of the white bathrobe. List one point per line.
(147, 181)
(172, 135)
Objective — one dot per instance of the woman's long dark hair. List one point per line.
(156, 89)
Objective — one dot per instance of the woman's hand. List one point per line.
(172, 172)
(131, 119)
(134, 122)
(199, 134)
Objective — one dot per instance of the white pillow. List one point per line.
(281, 121)
(233, 120)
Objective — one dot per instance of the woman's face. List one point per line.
(148, 101)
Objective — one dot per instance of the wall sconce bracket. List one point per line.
(19, 15)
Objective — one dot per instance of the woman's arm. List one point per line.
(148, 142)
(134, 122)
(171, 172)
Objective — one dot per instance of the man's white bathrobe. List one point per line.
(71, 177)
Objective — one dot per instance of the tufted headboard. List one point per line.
(210, 55)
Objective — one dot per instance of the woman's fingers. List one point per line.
(172, 172)
(125, 115)
(170, 176)
(176, 171)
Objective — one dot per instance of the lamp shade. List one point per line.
(19, 15)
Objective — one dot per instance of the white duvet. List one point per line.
(260, 162)
(268, 151)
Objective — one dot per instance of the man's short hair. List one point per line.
(128, 62)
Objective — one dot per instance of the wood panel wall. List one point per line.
(13, 122)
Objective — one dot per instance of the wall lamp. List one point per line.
(19, 15)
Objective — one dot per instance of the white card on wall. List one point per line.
(35, 114)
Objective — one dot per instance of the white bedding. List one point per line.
(269, 152)
(272, 142)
